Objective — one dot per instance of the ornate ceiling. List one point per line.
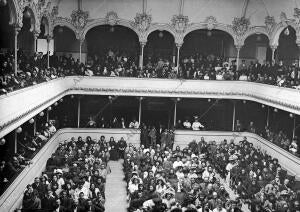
(239, 18)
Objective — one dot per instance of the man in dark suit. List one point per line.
(59, 207)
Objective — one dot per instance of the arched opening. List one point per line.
(206, 42)
(25, 37)
(160, 45)
(287, 50)
(6, 32)
(116, 40)
(256, 48)
(65, 42)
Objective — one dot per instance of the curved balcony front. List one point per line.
(19, 106)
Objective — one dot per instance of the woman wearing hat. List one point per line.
(160, 186)
(168, 198)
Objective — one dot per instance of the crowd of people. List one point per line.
(34, 70)
(115, 122)
(279, 138)
(256, 177)
(162, 179)
(27, 147)
(176, 180)
(75, 176)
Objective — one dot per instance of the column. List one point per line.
(35, 36)
(273, 48)
(78, 113)
(294, 126)
(140, 109)
(17, 30)
(48, 53)
(142, 54)
(16, 142)
(268, 116)
(238, 48)
(81, 40)
(175, 110)
(34, 126)
(233, 116)
(47, 116)
(298, 44)
(178, 51)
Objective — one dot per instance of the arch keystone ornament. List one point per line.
(240, 25)
(297, 15)
(283, 19)
(211, 22)
(180, 23)
(79, 18)
(142, 21)
(270, 23)
(112, 18)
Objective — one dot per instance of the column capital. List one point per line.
(143, 44)
(48, 37)
(274, 47)
(178, 45)
(238, 47)
(17, 29)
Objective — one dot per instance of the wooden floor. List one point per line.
(115, 188)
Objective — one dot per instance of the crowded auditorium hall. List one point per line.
(149, 105)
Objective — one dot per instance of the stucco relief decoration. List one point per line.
(180, 22)
(111, 18)
(283, 19)
(79, 18)
(22, 5)
(211, 22)
(270, 22)
(142, 21)
(54, 11)
(240, 25)
(297, 15)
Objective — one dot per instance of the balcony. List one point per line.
(19, 106)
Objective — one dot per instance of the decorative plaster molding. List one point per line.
(6, 124)
(187, 92)
(211, 22)
(270, 23)
(111, 18)
(240, 25)
(79, 18)
(142, 21)
(180, 22)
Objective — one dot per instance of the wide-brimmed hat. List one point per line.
(233, 157)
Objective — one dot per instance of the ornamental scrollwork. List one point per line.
(180, 22)
(111, 18)
(270, 22)
(210, 22)
(142, 21)
(240, 25)
(297, 15)
(79, 18)
(283, 19)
